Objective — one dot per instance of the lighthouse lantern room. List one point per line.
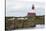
(32, 12)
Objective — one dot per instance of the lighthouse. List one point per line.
(32, 12)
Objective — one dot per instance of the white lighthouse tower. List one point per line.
(32, 12)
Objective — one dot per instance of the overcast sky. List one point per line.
(21, 7)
